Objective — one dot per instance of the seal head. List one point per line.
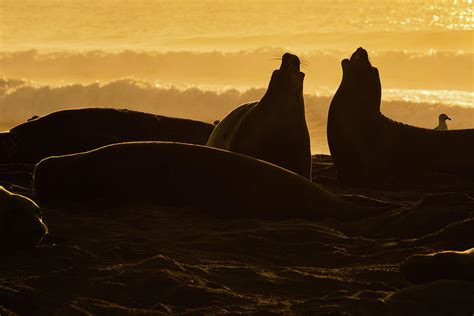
(21, 223)
(287, 82)
(273, 129)
(363, 80)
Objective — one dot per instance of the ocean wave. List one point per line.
(20, 100)
(306, 41)
(243, 69)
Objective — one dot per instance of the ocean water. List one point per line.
(169, 24)
(200, 59)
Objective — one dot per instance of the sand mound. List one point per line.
(149, 260)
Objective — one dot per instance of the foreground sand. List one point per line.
(146, 260)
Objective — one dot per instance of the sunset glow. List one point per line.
(423, 49)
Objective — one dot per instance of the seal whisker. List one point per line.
(304, 63)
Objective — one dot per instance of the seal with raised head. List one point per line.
(21, 223)
(210, 180)
(370, 149)
(273, 129)
(76, 130)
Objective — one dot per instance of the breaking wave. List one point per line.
(242, 70)
(20, 100)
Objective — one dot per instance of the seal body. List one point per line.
(370, 149)
(211, 180)
(454, 265)
(77, 130)
(273, 129)
(21, 224)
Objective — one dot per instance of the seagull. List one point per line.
(442, 126)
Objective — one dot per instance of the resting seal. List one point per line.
(454, 265)
(369, 148)
(71, 131)
(212, 180)
(273, 129)
(21, 224)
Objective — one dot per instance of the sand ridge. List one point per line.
(149, 260)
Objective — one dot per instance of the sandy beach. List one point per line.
(147, 260)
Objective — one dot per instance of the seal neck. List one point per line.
(284, 91)
(360, 100)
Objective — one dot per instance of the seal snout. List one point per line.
(360, 55)
(290, 62)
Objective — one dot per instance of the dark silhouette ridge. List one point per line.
(371, 149)
(442, 126)
(77, 130)
(217, 181)
(453, 265)
(273, 129)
